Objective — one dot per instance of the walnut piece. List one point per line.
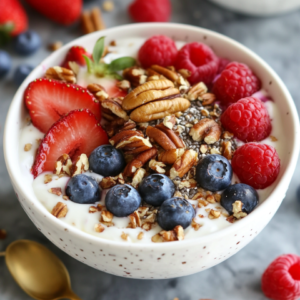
(63, 166)
(81, 165)
(60, 210)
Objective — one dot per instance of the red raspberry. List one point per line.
(200, 60)
(158, 50)
(223, 62)
(256, 164)
(281, 280)
(248, 119)
(236, 81)
(150, 10)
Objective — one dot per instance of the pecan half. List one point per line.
(206, 129)
(60, 73)
(98, 91)
(139, 161)
(63, 165)
(172, 135)
(184, 163)
(128, 125)
(167, 73)
(157, 166)
(92, 20)
(124, 135)
(135, 75)
(115, 106)
(59, 210)
(197, 91)
(134, 145)
(170, 156)
(160, 138)
(159, 109)
(207, 98)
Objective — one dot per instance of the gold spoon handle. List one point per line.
(2, 253)
(72, 296)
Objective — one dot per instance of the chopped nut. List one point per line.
(203, 148)
(227, 152)
(230, 219)
(198, 196)
(124, 236)
(200, 216)
(205, 112)
(202, 203)
(195, 225)
(63, 165)
(98, 91)
(184, 73)
(191, 183)
(81, 165)
(237, 208)
(177, 194)
(109, 182)
(157, 238)
(56, 191)
(62, 74)
(217, 197)
(138, 176)
(135, 220)
(140, 235)
(60, 210)
(27, 147)
(47, 178)
(124, 85)
(147, 226)
(55, 46)
(226, 215)
(93, 209)
(106, 216)
(108, 6)
(207, 98)
(66, 198)
(99, 228)
(211, 199)
(215, 151)
(170, 156)
(135, 75)
(273, 138)
(3, 234)
(169, 121)
(227, 135)
(197, 91)
(214, 214)
(113, 43)
(157, 166)
(142, 210)
(177, 234)
(92, 20)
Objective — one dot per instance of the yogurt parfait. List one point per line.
(149, 141)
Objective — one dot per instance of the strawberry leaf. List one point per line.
(5, 33)
(89, 64)
(98, 50)
(121, 63)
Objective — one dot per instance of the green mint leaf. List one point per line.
(121, 63)
(98, 50)
(89, 64)
(5, 31)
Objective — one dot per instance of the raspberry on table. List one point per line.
(200, 60)
(281, 280)
(158, 50)
(248, 119)
(150, 10)
(236, 81)
(257, 165)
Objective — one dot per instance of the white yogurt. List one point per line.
(78, 214)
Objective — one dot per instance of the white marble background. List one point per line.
(277, 41)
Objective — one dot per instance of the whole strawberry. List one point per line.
(281, 280)
(13, 19)
(64, 12)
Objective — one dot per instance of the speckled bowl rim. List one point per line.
(16, 178)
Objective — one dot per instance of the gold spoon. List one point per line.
(38, 271)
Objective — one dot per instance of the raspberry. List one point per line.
(236, 81)
(223, 62)
(150, 10)
(200, 60)
(248, 119)
(281, 280)
(158, 50)
(256, 164)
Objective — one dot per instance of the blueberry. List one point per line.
(214, 173)
(107, 161)
(83, 189)
(5, 63)
(156, 188)
(175, 211)
(27, 43)
(122, 200)
(21, 72)
(242, 192)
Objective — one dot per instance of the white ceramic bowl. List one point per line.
(167, 259)
(260, 7)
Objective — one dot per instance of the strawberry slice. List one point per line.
(75, 54)
(48, 100)
(76, 133)
(111, 88)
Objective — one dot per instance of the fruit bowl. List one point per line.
(156, 260)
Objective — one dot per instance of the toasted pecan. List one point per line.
(124, 134)
(139, 161)
(172, 135)
(159, 109)
(149, 91)
(206, 129)
(169, 74)
(114, 105)
(62, 74)
(98, 91)
(135, 75)
(184, 163)
(170, 156)
(160, 138)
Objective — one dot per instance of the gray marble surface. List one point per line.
(277, 41)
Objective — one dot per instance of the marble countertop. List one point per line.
(277, 41)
